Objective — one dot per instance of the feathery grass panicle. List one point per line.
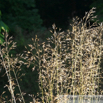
(68, 64)
(71, 62)
(11, 64)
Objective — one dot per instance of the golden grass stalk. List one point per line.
(9, 63)
(68, 64)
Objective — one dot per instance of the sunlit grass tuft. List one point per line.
(68, 64)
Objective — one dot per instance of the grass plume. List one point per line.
(68, 64)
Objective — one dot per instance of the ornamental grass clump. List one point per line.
(12, 66)
(67, 64)
(70, 62)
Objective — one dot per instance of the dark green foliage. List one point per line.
(61, 12)
(3, 28)
(29, 82)
(22, 17)
(22, 13)
(99, 9)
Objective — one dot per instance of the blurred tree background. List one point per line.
(20, 12)
(27, 18)
(61, 11)
(99, 9)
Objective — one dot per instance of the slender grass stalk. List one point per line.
(8, 73)
(70, 64)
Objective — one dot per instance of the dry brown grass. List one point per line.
(68, 64)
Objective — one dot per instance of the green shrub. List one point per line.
(3, 28)
(22, 13)
(99, 9)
